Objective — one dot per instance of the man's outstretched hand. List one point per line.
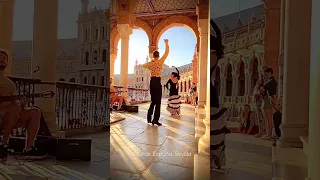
(166, 40)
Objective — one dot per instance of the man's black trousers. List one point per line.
(156, 95)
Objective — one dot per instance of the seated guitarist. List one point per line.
(14, 114)
(114, 97)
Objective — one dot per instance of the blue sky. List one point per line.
(182, 40)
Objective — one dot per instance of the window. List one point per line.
(103, 32)
(93, 80)
(86, 58)
(104, 55)
(97, 34)
(85, 80)
(142, 79)
(95, 56)
(86, 35)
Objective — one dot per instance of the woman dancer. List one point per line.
(174, 97)
(218, 129)
(258, 92)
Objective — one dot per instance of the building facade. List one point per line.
(80, 60)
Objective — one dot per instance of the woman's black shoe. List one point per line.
(149, 121)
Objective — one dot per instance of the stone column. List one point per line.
(202, 159)
(247, 82)
(272, 34)
(113, 58)
(6, 28)
(281, 48)
(297, 67)
(314, 98)
(203, 61)
(44, 55)
(235, 86)
(125, 31)
(223, 80)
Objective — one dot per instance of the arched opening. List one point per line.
(95, 57)
(138, 50)
(61, 79)
(93, 80)
(189, 83)
(85, 80)
(255, 73)
(104, 55)
(242, 81)
(176, 22)
(72, 80)
(185, 86)
(181, 86)
(217, 80)
(86, 58)
(229, 81)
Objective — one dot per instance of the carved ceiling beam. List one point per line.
(125, 12)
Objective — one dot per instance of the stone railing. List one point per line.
(236, 103)
(243, 36)
(99, 66)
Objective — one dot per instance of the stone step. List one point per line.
(289, 163)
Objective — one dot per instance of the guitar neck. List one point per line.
(18, 97)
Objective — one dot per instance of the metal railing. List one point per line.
(135, 95)
(77, 106)
(81, 106)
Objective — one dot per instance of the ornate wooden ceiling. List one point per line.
(158, 7)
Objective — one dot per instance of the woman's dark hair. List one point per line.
(176, 74)
(216, 41)
(269, 70)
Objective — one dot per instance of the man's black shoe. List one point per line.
(3, 152)
(34, 153)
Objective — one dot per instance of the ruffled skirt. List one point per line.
(174, 105)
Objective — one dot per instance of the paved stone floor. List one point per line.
(248, 158)
(97, 169)
(141, 151)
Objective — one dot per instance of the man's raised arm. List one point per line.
(166, 53)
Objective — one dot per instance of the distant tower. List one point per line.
(136, 62)
(85, 6)
(147, 59)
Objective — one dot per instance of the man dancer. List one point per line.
(155, 67)
(14, 114)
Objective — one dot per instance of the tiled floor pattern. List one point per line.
(142, 151)
(248, 158)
